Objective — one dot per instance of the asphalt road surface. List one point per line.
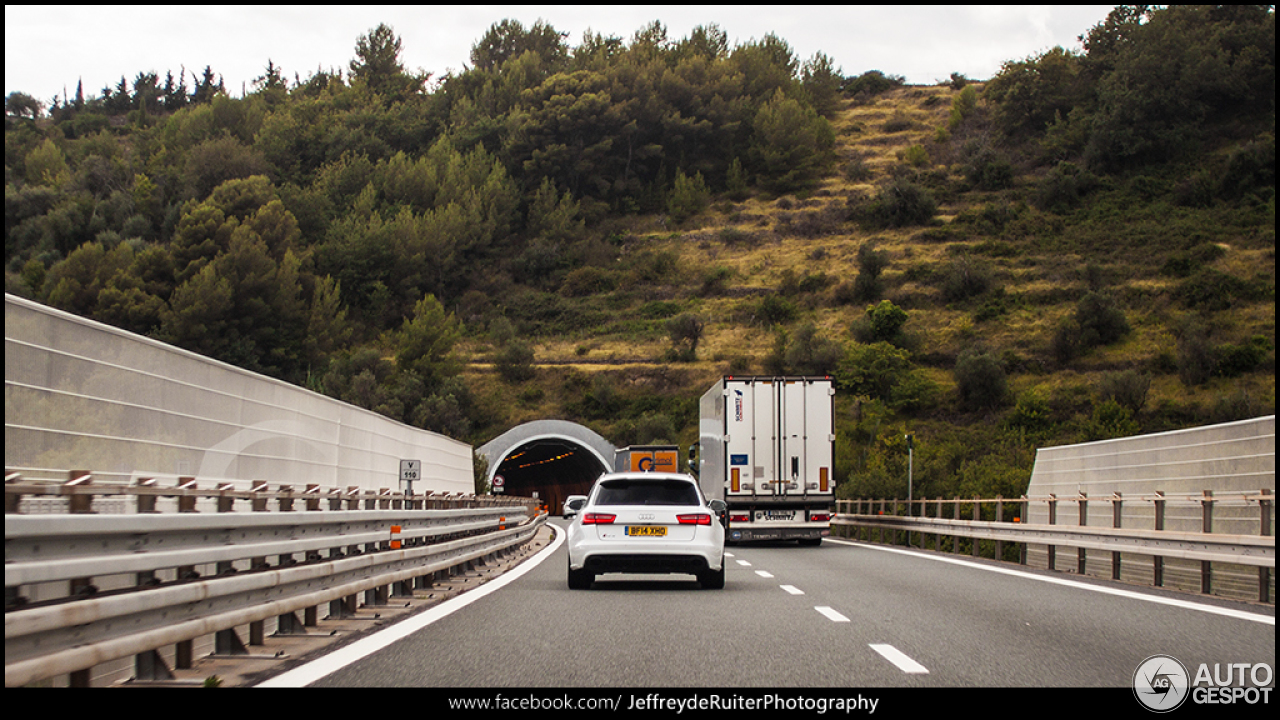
(843, 615)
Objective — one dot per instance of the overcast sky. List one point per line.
(48, 47)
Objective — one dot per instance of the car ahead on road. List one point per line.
(641, 522)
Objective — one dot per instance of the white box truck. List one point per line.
(767, 449)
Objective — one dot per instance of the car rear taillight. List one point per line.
(694, 519)
(598, 519)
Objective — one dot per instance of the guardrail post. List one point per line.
(79, 502)
(1116, 504)
(258, 503)
(1157, 562)
(186, 501)
(977, 517)
(225, 505)
(937, 538)
(1206, 572)
(284, 495)
(1264, 573)
(1053, 519)
(1000, 519)
(145, 501)
(1025, 514)
(1084, 520)
(955, 539)
(12, 501)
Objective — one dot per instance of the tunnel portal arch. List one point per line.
(553, 458)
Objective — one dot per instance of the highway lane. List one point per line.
(841, 615)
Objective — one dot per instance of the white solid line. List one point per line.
(792, 589)
(1187, 605)
(764, 574)
(897, 657)
(832, 615)
(304, 675)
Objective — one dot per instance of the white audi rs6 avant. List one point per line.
(647, 523)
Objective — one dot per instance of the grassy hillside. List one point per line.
(991, 272)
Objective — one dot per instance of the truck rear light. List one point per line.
(739, 517)
(819, 517)
(694, 519)
(598, 519)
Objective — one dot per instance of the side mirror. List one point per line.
(573, 504)
(721, 510)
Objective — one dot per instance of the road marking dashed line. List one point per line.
(792, 589)
(832, 615)
(899, 658)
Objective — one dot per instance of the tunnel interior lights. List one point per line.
(542, 462)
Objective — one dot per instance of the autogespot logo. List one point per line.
(1161, 683)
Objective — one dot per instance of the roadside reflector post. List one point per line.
(395, 537)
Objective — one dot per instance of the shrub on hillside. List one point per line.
(966, 278)
(882, 323)
(981, 379)
(515, 362)
(901, 203)
(1064, 187)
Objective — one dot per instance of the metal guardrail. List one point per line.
(1206, 546)
(273, 561)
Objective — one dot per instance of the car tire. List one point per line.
(712, 579)
(580, 579)
(810, 542)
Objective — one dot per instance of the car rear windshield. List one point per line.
(647, 492)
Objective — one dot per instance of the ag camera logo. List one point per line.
(1160, 683)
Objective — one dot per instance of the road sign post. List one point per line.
(410, 470)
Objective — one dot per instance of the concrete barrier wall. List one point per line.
(80, 395)
(1230, 460)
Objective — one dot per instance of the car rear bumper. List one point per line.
(743, 534)
(642, 563)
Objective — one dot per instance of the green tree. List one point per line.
(47, 166)
(508, 40)
(425, 343)
(689, 196)
(791, 144)
(377, 65)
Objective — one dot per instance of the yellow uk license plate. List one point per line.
(646, 531)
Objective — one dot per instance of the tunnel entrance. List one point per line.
(552, 458)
